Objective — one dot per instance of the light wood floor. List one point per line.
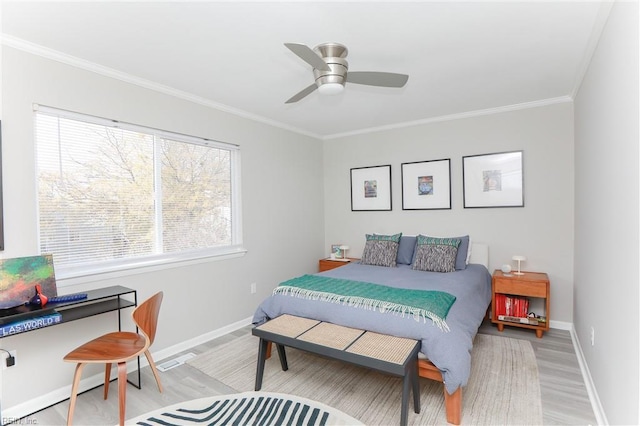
(564, 396)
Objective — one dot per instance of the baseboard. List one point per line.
(561, 325)
(588, 380)
(13, 414)
(203, 338)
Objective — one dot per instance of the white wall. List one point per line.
(606, 220)
(282, 206)
(542, 230)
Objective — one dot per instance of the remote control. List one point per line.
(68, 298)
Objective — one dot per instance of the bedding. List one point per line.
(450, 351)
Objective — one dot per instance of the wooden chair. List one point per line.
(118, 347)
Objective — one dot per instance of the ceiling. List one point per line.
(461, 57)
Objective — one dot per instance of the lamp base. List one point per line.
(518, 273)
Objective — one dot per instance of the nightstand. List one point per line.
(531, 284)
(328, 263)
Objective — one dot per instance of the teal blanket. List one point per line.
(423, 304)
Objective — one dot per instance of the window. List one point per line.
(112, 195)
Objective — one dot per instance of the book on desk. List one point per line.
(30, 324)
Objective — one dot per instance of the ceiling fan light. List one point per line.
(331, 88)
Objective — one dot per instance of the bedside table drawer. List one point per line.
(521, 288)
(328, 264)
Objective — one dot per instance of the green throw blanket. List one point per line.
(424, 304)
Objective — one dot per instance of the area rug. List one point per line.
(261, 408)
(504, 386)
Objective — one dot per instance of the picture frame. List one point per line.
(335, 250)
(493, 180)
(426, 185)
(371, 188)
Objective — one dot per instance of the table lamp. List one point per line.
(519, 259)
(344, 249)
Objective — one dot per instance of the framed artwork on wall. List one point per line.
(371, 188)
(493, 180)
(426, 185)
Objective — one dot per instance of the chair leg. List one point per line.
(74, 393)
(107, 377)
(122, 389)
(154, 369)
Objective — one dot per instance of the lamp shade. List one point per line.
(519, 259)
(344, 249)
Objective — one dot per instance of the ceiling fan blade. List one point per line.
(308, 55)
(382, 79)
(301, 94)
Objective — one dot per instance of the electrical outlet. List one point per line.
(7, 362)
(593, 337)
(254, 288)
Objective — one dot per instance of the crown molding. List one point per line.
(55, 55)
(42, 51)
(592, 44)
(469, 114)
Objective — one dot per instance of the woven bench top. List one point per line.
(365, 343)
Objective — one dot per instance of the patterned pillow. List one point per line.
(381, 250)
(436, 254)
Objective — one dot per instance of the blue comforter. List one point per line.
(449, 351)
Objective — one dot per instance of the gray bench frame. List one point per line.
(408, 370)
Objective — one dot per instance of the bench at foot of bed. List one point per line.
(426, 369)
(388, 354)
(452, 402)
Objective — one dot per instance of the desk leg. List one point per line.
(283, 357)
(416, 387)
(262, 353)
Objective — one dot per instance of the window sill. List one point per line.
(68, 276)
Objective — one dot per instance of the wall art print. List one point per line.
(371, 188)
(426, 185)
(19, 277)
(493, 180)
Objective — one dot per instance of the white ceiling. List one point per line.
(461, 57)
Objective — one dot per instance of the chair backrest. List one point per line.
(146, 316)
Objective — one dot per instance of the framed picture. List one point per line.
(20, 275)
(493, 180)
(426, 185)
(335, 250)
(371, 188)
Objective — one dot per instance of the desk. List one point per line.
(100, 301)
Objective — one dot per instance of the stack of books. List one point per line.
(514, 309)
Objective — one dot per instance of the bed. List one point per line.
(447, 347)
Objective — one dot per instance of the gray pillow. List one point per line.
(461, 256)
(381, 250)
(436, 254)
(463, 249)
(406, 249)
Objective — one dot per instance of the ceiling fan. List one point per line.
(330, 70)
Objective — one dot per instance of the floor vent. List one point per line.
(172, 363)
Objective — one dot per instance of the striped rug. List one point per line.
(247, 408)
